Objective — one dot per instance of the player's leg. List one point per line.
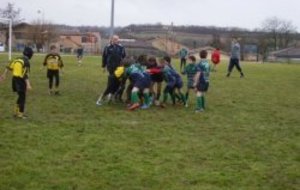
(106, 91)
(181, 63)
(21, 104)
(187, 94)
(184, 62)
(134, 99)
(230, 67)
(57, 81)
(158, 92)
(199, 101)
(238, 67)
(147, 100)
(50, 81)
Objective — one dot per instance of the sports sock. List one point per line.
(177, 96)
(147, 98)
(17, 109)
(157, 96)
(199, 102)
(173, 96)
(165, 98)
(134, 97)
(186, 96)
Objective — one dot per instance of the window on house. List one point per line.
(84, 39)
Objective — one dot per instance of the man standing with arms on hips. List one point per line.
(112, 56)
(235, 58)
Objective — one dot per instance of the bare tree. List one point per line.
(10, 12)
(42, 34)
(279, 32)
(262, 47)
(216, 40)
(286, 34)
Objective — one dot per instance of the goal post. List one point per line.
(9, 21)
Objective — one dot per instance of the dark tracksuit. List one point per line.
(111, 59)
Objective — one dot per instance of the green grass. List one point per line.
(248, 138)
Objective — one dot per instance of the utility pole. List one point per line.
(112, 18)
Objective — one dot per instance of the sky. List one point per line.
(248, 14)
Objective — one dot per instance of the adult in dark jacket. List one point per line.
(112, 57)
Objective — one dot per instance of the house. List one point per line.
(42, 36)
(90, 41)
(285, 55)
(19, 36)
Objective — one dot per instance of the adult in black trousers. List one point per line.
(235, 58)
(112, 57)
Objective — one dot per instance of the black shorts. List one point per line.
(202, 86)
(18, 84)
(157, 78)
(52, 73)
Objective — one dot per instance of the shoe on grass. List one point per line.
(199, 110)
(20, 116)
(144, 106)
(134, 107)
(99, 103)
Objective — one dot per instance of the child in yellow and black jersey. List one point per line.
(54, 63)
(19, 68)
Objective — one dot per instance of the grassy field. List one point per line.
(248, 138)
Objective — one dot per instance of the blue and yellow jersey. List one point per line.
(19, 67)
(53, 61)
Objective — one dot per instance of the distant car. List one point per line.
(2, 47)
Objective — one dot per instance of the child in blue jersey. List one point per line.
(190, 72)
(170, 79)
(201, 82)
(141, 83)
(178, 82)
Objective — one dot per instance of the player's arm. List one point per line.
(60, 64)
(7, 68)
(123, 52)
(104, 57)
(26, 74)
(196, 78)
(44, 62)
(3, 76)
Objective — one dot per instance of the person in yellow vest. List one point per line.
(20, 68)
(54, 63)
